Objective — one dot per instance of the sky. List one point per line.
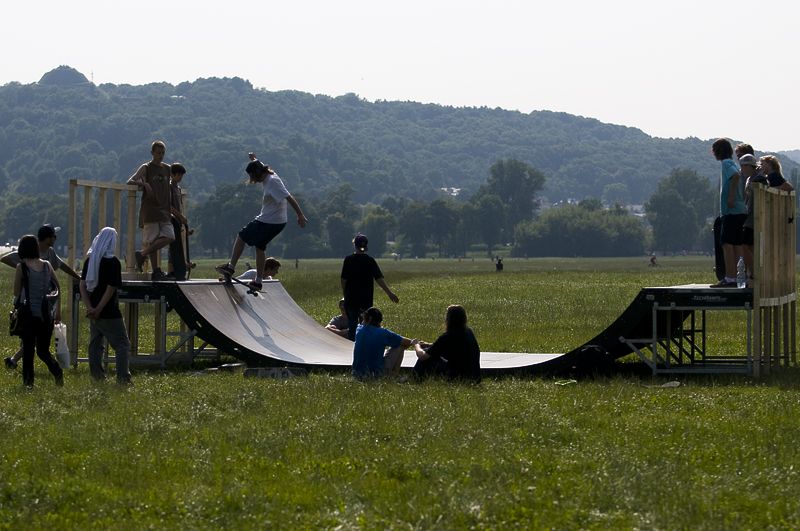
(700, 68)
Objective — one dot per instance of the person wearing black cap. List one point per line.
(47, 238)
(268, 224)
(358, 272)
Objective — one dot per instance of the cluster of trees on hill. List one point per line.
(381, 155)
(499, 213)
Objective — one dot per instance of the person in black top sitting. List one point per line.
(455, 354)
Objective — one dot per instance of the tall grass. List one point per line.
(215, 450)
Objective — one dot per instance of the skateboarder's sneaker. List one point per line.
(226, 270)
(254, 285)
(140, 258)
(158, 276)
(724, 284)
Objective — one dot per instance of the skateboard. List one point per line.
(719, 256)
(185, 233)
(229, 280)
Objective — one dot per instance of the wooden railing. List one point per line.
(774, 286)
(102, 188)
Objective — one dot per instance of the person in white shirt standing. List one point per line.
(268, 224)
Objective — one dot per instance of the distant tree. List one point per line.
(340, 234)
(575, 230)
(678, 210)
(219, 218)
(516, 184)
(25, 214)
(491, 217)
(616, 193)
(376, 224)
(415, 228)
(443, 230)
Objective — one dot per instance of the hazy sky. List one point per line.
(673, 69)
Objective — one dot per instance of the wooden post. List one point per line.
(130, 233)
(72, 242)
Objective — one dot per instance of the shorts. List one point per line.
(258, 234)
(747, 236)
(156, 230)
(731, 233)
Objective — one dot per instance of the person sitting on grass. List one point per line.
(377, 351)
(455, 354)
(271, 267)
(268, 224)
(339, 324)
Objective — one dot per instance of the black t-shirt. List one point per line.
(461, 350)
(109, 274)
(359, 271)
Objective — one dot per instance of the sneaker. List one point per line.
(140, 258)
(225, 270)
(158, 276)
(10, 363)
(60, 380)
(254, 285)
(723, 284)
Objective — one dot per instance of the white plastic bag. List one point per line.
(62, 349)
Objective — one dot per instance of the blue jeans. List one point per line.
(113, 330)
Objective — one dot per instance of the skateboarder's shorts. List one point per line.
(155, 230)
(258, 234)
(732, 229)
(747, 236)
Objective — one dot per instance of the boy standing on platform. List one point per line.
(179, 223)
(153, 178)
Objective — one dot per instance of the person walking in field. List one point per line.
(267, 225)
(46, 235)
(36, 287)
(359, 271)
(100, 280)
(153, 178)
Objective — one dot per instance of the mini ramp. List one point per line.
(271, 329)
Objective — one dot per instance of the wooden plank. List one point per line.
(105, 185)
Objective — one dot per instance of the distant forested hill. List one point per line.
(66, 127)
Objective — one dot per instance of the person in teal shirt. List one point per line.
(732, 208)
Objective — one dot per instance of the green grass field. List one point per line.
(186, 450)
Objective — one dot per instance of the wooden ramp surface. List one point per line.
(271, 329)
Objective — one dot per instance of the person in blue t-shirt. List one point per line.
(377, 351)
(732, 209)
